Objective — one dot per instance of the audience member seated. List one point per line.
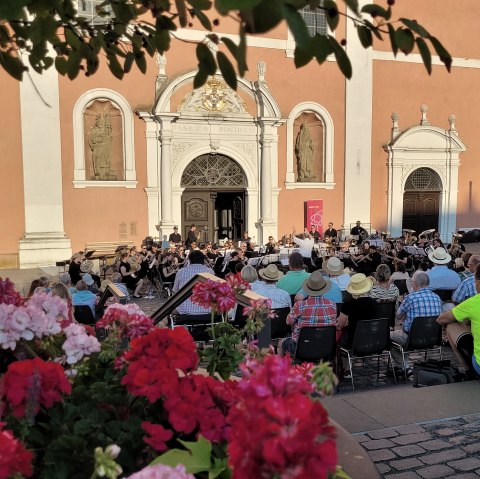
(466, 288)
(67, 281)
(33, 286)
(84, 297)
(465, 274)
(456, 323)
(293, 280)
(128, 277)
(360, 307)
(441, 277)
(383, 290)
(422, 302)
(313, 311)
(60, 290)
(117, 281)
(87, 277)
(270, 275)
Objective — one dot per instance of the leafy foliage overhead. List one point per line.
(39, 34)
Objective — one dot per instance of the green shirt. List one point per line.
(292, 281)
(470, 309)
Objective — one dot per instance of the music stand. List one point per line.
(89, 254)
(121, 247)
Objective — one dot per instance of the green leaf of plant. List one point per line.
(343, 61)
(425, 53)
(12, 9)
(12, 65)
(393, 39)
(297, 26)
(375, 11)
(303, 56)
(204, 20)
(442, 53)
(200, 78)
(225, 6)
(405, 40)
(365, 36)
(127, 66)
(265, 16)
(182, 12)
(196, 459)
(415, 27)
(114, 66)
(242, 53)
(321, 47)
(331, 14)
(161, 41)
(228, 72)
(373, 29)
(231, 45)
(206, 59)
(201, 4)
(61, 65)
(352, 5)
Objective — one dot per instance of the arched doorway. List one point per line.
(421, 200)
(214, 197)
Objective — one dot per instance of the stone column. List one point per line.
(166, 221)
(44, 241)
(265, 180)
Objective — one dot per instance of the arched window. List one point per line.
(315, 20)
(103, 141)
(309, 147)
(423, 179)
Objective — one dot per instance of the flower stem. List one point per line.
(212, 317)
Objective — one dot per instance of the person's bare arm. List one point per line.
(446, 318)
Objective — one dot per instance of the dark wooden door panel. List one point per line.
(420, 210)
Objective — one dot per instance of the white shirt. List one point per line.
(306, 246)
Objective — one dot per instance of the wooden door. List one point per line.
(420, 210)
(198, 208)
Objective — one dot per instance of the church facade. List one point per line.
(100, 159)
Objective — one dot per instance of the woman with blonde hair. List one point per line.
(60, 290)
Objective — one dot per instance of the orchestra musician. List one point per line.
(192, 236)
(128, 276)
(358, 230)
(314, 233)
(169, 267)
(330, 234)
(271, 246)
(175, 237)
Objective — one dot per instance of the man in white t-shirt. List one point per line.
(305, 244)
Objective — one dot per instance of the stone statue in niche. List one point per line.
(305, 151)
(103, 128)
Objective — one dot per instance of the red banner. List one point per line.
(313, 215)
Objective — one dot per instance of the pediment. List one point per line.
(427, 138)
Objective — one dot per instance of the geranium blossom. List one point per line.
(8, 295)
(78, 343)
(237, 283)
(46, 313)
(14, 325)
(160, 471)
(277, 429)
(32, 383)
(214, 294)
(14, 458)
(156, 435)
(129, 320)
(259, 309)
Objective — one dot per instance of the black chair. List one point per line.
(83, 314)
(339, 308)
(425, 335)
(196, 325)
(315, 344)
(444, 294)
(240, 320)
(371, 340)
(386, 309)
(280, 328)
(401, 284)
(292, 298)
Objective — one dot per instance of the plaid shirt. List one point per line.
(183, 277)
(465, 290)
(419, 304)
(279, 297)
(314, 311)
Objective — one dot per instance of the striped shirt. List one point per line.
(379, 293)
(419, 304)
(465, 290)
(314, 311)
(279, 297)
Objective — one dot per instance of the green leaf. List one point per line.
(373, 29)
(297, 26)
(196, 459)
(231, 45)
(201, 4)
(61, 65)
(242, 53)
(425, 53)
(114, 66)
(206, 59)
(123, 12)
(228, 72)
(352, 5)
(331, 14)
(375, 11)
(442, 53)
(161, 41)
(12, 9)
(72, 38)
(204, 20)
(127, 66)
(365, 36)
(200, 78)
(303, 56)
(342, 59)
(265, 16)
(225, 6)
(415, 27)
(405, 40)
(12, 65)
(182, 12)
(393, 39)
(321, 47)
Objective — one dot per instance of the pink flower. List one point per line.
(79, 343)
(14, 458)
(160, 471)
(238, 284)
(214, 294)
(129, 320)
(259, 309)
(8, 295)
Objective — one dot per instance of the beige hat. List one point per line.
(104, 285)
(359, 284)
(334, 267)
(439, 256)
(348, 271)
(270, 273)
(316, 284)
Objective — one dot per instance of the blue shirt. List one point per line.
(335, 293)
(85, 298)
(279, 297)
(419, 304)
(441, 277)
(183, 277)
(465, 290)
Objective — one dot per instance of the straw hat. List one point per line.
(359, 284)
(316, 284)
(334, 267)
(270, 273)
(348, 271)
(439, 256)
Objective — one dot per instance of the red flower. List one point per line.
(128, 319)
(214, 294)
(30, 384)
(277, 429)
(259, 309)
(8, 295)
(238, 284)
(156, 435)
(14, 458)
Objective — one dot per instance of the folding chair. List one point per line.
(83, 314)
(386, 309)
(315, 344)
(279, 327)
(371, 340)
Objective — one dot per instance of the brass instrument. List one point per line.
(134, 264)
(456, 238)
(426, 235)
(87, 266)
(385, 235)
(408, 236)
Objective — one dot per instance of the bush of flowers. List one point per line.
(71, 407)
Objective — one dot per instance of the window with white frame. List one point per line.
(315, 20)
(89, 9)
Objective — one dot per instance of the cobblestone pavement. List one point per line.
(449, 448)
